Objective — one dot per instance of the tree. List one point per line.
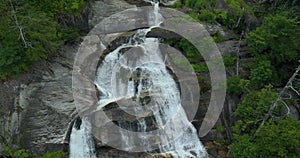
(277, 40)
(29, 31)
(261, 73)
(252, 110)
(275, 140)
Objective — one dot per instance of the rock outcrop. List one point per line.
(38, 107)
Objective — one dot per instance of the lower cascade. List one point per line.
(81, 140)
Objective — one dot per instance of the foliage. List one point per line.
(243, 147)
(238, 6)
(236, 85)
(277, 40)
(191, 53)
(275, 48)
(22, 153)
(40, 33)
(198, 4)
(29, 32)
(54, 7)
(200, 68)
(229, 60)
(220, 128)
(279, 5)
(204, 84)
(253, 108)
(261, 73)
(205, 10)
(18, 153)
(275, 139)
(58, 154)
(189, 50)
(208, 16)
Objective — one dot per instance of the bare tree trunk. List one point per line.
(21, 34)
(279, 99)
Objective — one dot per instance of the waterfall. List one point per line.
(81, 140)
(150, 85)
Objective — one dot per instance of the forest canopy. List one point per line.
(262, 128)
(31, 30)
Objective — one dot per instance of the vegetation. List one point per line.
(277, 41)
(205, 10)
(253, 108)
(191, 53)
(279, 139)
(21, 153)
(31, 30)
(57, 154)
(229, 60)
(275, 48)
(11, 149)
(236, 85)
(261, 73)
(275, 52)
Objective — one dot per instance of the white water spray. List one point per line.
(148, 76)
(81, 141)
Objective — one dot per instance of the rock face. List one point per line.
(103, 8)
(48, 105)
(39, 106)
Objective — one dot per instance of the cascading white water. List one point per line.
(81, 141)
(148, 76)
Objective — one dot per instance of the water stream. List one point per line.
(140, 75)
(81, 140)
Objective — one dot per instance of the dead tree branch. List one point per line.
(281, 99)
(20, 29)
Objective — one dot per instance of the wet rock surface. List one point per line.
(49, 105)
(39, 105)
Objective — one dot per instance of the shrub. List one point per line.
(253, 108)
(41, 36)
(277, 40)
(275, 139)
(234, 85)
(29, 32)
(54, 7)
(261, 74)
(229, 60)
(57, 154)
